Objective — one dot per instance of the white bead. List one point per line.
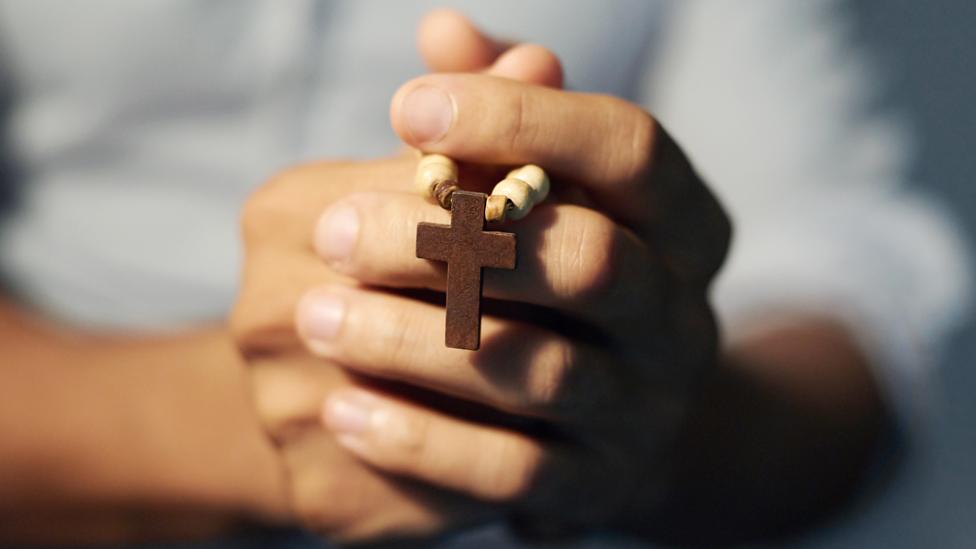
(433, 169)
(519, 193)
(536, 178)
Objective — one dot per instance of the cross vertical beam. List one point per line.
(466, 248)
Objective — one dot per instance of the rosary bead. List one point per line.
(519, 195)
(513, 197)
(495, 208)
(536, 178)
(435, 170)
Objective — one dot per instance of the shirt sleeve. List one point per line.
(777, 105)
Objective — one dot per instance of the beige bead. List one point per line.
(522, 189)
(518, 193)
(433, 169)
(496, 208)
(536, 178)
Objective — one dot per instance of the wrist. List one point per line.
(202, 443)
(138, 430)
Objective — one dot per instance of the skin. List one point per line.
(601, 379)
(239, 443)
(601, 398)
(111, 439)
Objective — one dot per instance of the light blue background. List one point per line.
(928, 50)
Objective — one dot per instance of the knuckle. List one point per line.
(509, 472)
(289, 201)
(549, 376)
(254, 326)
(265, 208)
(569, 381)
(519, 130)
(311, 500)
(698, 229)
(408, 438)
(720, 235)
(396, 329)
(640, 149)
(699, 244)
(272, 411)
(584, 257)
(629, 154)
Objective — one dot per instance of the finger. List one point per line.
(600, 141)
(372, 507)
(275, 226)
(287, 392)
(531, 64)
(481, 461)
(569, 258)
(520, 368)
(449, 42)
(610, 147)
(288, 396)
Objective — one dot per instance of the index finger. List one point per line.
(599, 141)
(610, 147)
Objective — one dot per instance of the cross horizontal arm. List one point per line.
(496, 250)
(433, 241)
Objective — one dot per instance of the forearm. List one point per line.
(780, 436)
(109, 438)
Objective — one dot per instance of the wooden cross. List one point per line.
(466, 248)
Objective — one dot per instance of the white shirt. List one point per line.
(138, 129)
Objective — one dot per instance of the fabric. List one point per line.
(777, 105)
(137, 129)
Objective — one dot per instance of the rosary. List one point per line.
(465, 245)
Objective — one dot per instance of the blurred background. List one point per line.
(928, 53)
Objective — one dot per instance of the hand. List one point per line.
(332, 492)
(620, 331)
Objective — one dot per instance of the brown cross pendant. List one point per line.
(466, 248)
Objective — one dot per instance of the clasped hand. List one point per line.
(591, 349)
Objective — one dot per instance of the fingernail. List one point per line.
(320, 316)
(428, 113)
(336, 233)
(348, 413)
